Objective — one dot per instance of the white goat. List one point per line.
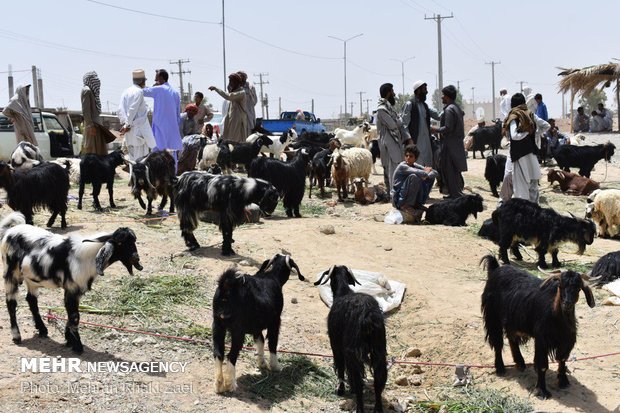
(604, 209)
(353, 137)
(371, 134)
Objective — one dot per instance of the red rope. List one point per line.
(51, 316)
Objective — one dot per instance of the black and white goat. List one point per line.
(522, 306)
(356, 329)
(244, 153)
(153, 174)
(245, 304)
(43, 259)
(196, 192)
(45, 185)
(494, 172)
(523, 220)
(288, 178)
(99, 170)
(25, 156)
(454, 212)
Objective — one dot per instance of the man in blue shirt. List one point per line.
(541, 110)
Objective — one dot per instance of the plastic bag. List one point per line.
(393, 217)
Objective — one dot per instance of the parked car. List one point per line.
(54, 132)
(289, 120)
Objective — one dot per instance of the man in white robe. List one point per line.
(133, 114)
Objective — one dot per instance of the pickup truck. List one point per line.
(288, 120)
(54, 132)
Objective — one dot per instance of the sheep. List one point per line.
(490, 136)
(354, 137)
(349, 164)
(320, 170)
(606, 269)
(45, 185)
(583, 157)
(197, 191)
(356, 329)
(245, 304)
(97, 170)
(454, 212)
(288, 178)
(572, 182)
(522, 306)
(25, 156)
(494, 171)
(279, 143)
(604, 210)
(153, 174)
(73, 165)
(43, 259)
(369, 195)
(520, 219)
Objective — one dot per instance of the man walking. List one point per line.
(392, 134)
(417, 119)
(166, 114)
(133, 114)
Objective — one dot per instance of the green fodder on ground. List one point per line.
(471, 400)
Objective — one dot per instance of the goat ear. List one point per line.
(557, 301)
(351, 278)
(264, 265)
(103, 257)
(561, 174)
(589, 296)
(572, 215)
(294, 265)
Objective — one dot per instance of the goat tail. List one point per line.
(11, 220)
(489, 263)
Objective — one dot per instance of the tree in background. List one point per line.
(591, 100)
(437, 100)
(401, 100)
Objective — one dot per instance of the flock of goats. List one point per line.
(248, 304)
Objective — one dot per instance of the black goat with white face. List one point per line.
(98, 170)
(42, 259)
(153, 175)
(245, 304)
(356, 329)
(522, 306)
(196, 192)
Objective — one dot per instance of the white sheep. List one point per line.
(355, 137)
(349, 164)
(74, 168)
(604, 209)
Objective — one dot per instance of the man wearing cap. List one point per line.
(166, 114)
(393, 136)
(453, 160)
(504, 104)
(132, 112)
(417, 119)
(188, 120)
(236, 121)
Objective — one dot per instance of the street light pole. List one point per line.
(344, 41)
(402, 68)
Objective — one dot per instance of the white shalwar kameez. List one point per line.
(133, 113)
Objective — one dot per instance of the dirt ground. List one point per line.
(440, 314)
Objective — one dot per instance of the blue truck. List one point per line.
(289, 120)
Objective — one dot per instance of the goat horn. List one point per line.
(554, 272)
(329, 274)
(353, 277)
(287, 260)
(148, 179)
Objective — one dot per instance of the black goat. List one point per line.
(45, 185)
(606, 269)
(583, 157)
(490, 136)
(320, 170)
(313, 138)
(243, 153)
(523, 306)
(288, 178)
(97, 170)
(356, 329)
(196, 192)
(523, 220)
(454, 212)
(153, 174)
(494, 172)
(489, 231)
(245, 304)
(376, 153)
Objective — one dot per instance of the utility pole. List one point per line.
(438, 18)
(180, 73)
(40, 84)
(402, 69)
(11, 86)
(279, 106)
(266, 101)
(492, 63)
(35, 87)
(352, 103)
(344, 41)
(361, 107)
(520, 83)
(312, 105)
(368, 106)
(224, 45)
(473, 102)
(261, 83)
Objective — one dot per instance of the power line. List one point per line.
(151, 14)
(438, 18)
(180, 73)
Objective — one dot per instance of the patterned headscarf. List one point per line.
(91, 81)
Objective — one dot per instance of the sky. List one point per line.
(289, 41)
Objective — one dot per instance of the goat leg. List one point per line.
(555, 262)
(10, 289)
(541, 363)
(541, 249)
(149, 208)
(164, 201)
(219, 336)
(190, 240)
(516, 353)
(516, 252)
(72, 335)
(141, 202)
(227, 232)
(296, 212)
(339, 366)
(259, 341)
(272, 337)
(33, 303)
(355, 369)
(110, 186)
(96, 190)
(63, 220)
(80, 194)
(50, 221)
(562, 378)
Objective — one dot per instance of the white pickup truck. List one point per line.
(55, 134)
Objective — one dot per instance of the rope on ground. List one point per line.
(51, 317)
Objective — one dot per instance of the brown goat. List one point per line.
(369, 195)
(572, 182)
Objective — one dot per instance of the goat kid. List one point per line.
(158, 168)
(97, 170)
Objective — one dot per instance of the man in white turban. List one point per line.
(133, 114)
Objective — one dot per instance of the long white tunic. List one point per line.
(133, 113)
